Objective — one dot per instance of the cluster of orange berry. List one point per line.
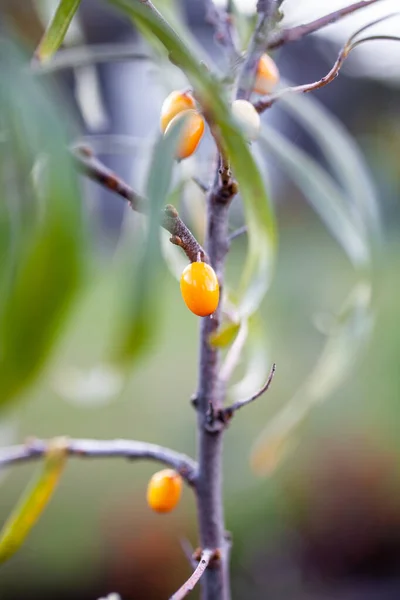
(199, 283)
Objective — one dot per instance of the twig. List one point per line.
(268, 12)
(237, 233)
(227, 413)
(188, 551)
(293, 34)
(181, 236)
(71, 58)
(189, 585)
(200, 184)
(222, 23)
(34, 449)
(264, 103)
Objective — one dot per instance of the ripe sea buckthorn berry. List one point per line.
(174, 104)
(164, 490)
(200, 288)
(267, 75)
(247, 117)
(191, 133)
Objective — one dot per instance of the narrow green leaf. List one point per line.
(342, 154)
(225, 335)
(259, 213)
(44, 255)
(256, 361)
(144, 281)
(322, 193)
(335, 364)
(34, 501)
(57, 29)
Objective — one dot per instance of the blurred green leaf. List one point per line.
(256, 362)
(343, 156)
(321, 191)
(143, 287)
(34, 501)
(43, 253)
(259, 213)
(225, 335)
(57, 29)
(335, 364)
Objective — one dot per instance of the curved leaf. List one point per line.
(336, 362)
(259, 213)
(323, 194)
(142, 292)
(342, 154)
(34, 501)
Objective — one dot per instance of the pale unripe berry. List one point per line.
(247, 117)
(267, 75)
(191, 133)
(174, 104)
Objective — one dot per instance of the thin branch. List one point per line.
(293, 34)
(200, 184)
(227, 413)
(188, 586)
(264, 103)
(181, 236)
(34, 449)
(71, 58)
(268, 14)
(237, 233)
(222, 24)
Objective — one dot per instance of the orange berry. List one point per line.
(174, 104)
(267, 75)
(200, 288)
(191, 133)
(164, 490)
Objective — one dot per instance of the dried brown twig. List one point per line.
(181, 236)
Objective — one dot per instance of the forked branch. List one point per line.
(293, 34)
(34, 449)
(227, 413)
(266, 102)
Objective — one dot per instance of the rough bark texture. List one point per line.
(210, 395)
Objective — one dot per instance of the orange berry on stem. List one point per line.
(200, 288)
(191, 133)
(164, 490)
(267, 75)
(174, 104)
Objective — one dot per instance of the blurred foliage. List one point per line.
(42, 252)
(41, 223)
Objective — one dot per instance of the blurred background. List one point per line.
(325, 524)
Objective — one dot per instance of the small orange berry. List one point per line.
(174, 104)
(191, 133)
(267, 75)
(200, 288)
(164, 490)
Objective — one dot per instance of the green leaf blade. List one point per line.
(57, 29)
